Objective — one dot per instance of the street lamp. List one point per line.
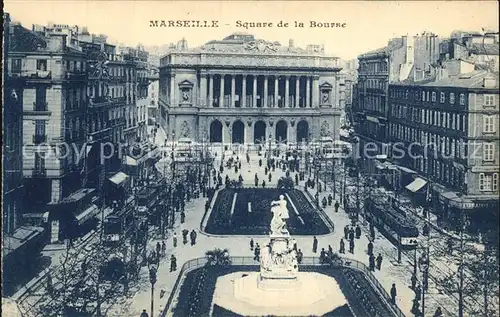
(153, 264)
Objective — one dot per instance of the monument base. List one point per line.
(310, 294)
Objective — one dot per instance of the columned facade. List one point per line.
(235, 101)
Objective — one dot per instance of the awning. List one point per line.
(416, 185)
(406, 170)
(119, 178)
(372, 119)
(130, 161)
(449, 195)
(87, 214)
(19, 238)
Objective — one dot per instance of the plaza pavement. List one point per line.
(391, 272)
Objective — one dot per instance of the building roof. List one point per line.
(469, 80)
(24, 40)
(486, 49)
(381, 50)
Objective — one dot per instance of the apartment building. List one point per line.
(448, 131)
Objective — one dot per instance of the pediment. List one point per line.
(326, 85)
(185, 83)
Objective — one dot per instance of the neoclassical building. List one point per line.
(244, 90)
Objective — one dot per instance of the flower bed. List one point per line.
(256, 222)
(196, 294)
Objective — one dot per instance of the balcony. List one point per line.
(99, 101)
(40, 106)
(32, 74)
(37, 139)
(75, 75)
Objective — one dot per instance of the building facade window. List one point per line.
(489, 100)
(489, 124)
(41, 64)
(485, 182)
(462, 99)
(442, 97)
(488, 152)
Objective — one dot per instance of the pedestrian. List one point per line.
(330, 250)
(346, 232)
(393, 293)
(248, 158)
(158, 248)
(256, 252)
(183, 214)
(415, 309)
(358, 232)
(418, 292)
(270, 177)
(379, 261)
(192, 236)
(336, 206)
(315, 244)
(322, 256)
(235, 168)
(370, 248)
(174, 239)
(295, 245)
(251, 244)
(351, 234)
(239, 165)
(265, 170)
(296, 179)
(173, 263)
(438, 312)
(144, 314)
(372, 231)
(299, 256)
(413, 281)
(342, 246)
(324, 202)
(330, 199)
(163, 248)
(260, 162)
(185, 232)
(425, 230)
(263, 183)
(371, 263)
(351, 246)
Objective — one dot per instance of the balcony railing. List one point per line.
(76, 75)
(40, 106)
(32, 74)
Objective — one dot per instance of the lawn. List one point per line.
(256, 221)
(196, 293)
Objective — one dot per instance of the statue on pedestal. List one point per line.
(278, 260)
(280, 214)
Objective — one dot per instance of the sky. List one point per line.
(369, 25)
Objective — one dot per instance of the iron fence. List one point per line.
(306, 261)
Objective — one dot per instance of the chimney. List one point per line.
(290, 43)
(489, 82)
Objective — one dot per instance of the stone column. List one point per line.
(297, 92)
(276, 91)
(264, 103)
(308, 92)
(203, 90)
(243, 97)
(172, 90)
(254, 91)
(221, 97)
(233, 90)
(287, 91)
(315, 92)
(211, 91)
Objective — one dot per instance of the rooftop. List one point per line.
(486, 49)
(469, 80)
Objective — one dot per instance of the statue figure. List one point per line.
(280, 213)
